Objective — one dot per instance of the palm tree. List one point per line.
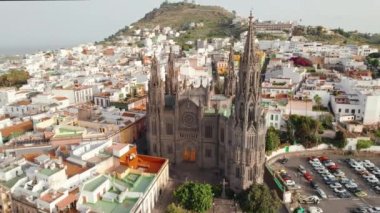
(290, 98)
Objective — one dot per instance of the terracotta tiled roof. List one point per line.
(67, 201)
(21, 127)
(60, 98)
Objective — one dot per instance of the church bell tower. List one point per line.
(248, 146)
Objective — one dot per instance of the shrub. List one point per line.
(364, 144)
(194, 196)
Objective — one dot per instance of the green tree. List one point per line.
(272, 140)
(305, 129)
(258, 198)
(374, 62)
(318, 101)
(326, 120)
(194, 196)
(340, 140)
(173, 208)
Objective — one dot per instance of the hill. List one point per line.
(337, 36)
(216, 21)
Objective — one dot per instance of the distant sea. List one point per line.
(18, 50)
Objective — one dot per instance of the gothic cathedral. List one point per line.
(224, 131)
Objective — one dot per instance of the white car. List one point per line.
(321, 193)
(301, 169)
(311, 199)
(374, 210)
(373, 181)
(322, 171)
(314, 209)
(316, 164)
(368, 175)
(335, 185)
(290, 183)
(360, 169)
(318, 167)
(339, 190)
(329, 164)
(376, 172)
(354, 164)
(339, 173)
(351, 185)
(329, 176)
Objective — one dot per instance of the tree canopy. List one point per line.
(258, 198)
(340, 140)
(14, 78)
(272, 140)
(305, 130)
(194, 196)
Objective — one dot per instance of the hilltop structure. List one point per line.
(224, 131)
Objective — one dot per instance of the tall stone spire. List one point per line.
(248, 87)
(172, 75)
(248, 119)
(156, 103)
(230, 78)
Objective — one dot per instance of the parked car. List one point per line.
(290, 183)
(339, 190)
(377, 189)
(361, 194)
(333, 167)
(314, 185)
(360, 170)
(344, 180)
(374, 209)
(310, 200)
(335, 185)
(368, 175)
(322, 171)
(321, 193)
(368, 164)
(323, 158)
(314, 209)
(373, 181)
(351, 185)
(308, 176)
(339, 173)
(328, 163)
(301, 169)
(344, 195)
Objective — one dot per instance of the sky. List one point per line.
(29, 26)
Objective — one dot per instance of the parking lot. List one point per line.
(333, 203)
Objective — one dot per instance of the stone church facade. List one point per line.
(224, 131)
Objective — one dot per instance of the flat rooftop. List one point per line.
(92, 185)
(49, 172)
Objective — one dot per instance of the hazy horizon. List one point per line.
(30, 26)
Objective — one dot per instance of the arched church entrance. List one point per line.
(189, 154)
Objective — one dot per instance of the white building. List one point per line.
(75, 94)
